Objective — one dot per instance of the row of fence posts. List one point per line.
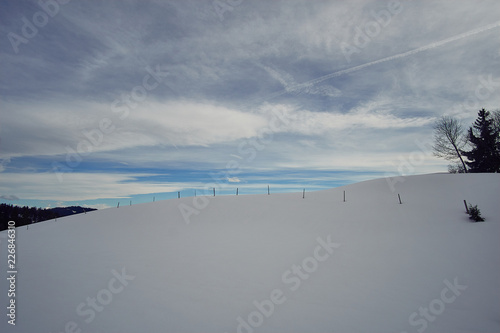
(268, 193)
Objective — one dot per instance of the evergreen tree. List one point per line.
(26, 215)
(484, 139)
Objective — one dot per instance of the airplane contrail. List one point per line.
(393, 57)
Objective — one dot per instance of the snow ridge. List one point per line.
(270, 263)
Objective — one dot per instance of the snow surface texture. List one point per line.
(270, 263)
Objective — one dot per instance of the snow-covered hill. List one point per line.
(269, 263)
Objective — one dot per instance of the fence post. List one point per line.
(214, 191)
(344, 196)
(268, 190)
(118, 206)
(399, 197)
(236, 191)
(466, 208)
(303, 193)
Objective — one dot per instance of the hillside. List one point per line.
(269, 263)
(29, 215)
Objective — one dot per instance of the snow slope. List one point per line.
(269, 263)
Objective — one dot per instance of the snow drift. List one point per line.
(269, 263)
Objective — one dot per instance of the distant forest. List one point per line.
(28, 215)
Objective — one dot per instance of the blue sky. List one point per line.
(111, 101)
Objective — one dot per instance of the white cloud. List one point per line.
(50, 129)
(9, 197)
(3, 163)
(81, 186)
(361, 115)
(375, 115)
(97, 206)
(187, 123)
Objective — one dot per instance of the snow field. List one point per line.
(271, 263)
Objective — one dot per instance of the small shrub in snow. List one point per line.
(475, 214)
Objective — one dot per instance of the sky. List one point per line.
(132, 101)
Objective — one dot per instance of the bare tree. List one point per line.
(450, 139)
(495, 115)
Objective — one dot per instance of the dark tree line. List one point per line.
(28, 215)
(474, 150)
